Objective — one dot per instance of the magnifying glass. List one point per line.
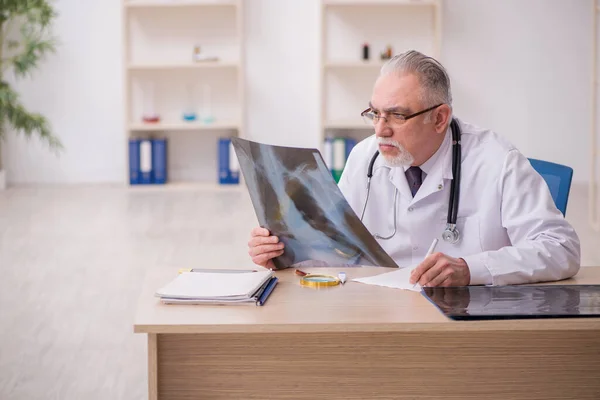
(320, 280)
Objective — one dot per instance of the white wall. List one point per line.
(519, 67)
(282, 61)
(523, 68)
(80, 90)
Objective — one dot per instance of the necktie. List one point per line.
(414, 178)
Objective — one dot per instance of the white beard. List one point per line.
(403, 158)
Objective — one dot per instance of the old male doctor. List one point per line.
(509, 229)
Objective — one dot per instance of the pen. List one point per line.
(431, 248)
(429, 252)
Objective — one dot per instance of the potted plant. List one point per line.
(25, 39)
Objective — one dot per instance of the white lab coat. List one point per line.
(510, 229)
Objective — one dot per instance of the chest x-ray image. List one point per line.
(296, 198)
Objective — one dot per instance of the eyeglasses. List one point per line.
(373, 117)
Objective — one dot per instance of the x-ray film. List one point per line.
(296, 198)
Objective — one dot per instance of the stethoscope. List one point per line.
(451, 233)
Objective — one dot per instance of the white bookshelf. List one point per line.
(177, 3)
(181, 66)
(372, 65)
(338, 3)
(184, 126)
(162, 76)
(346, 79)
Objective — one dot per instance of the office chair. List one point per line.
(558, 177)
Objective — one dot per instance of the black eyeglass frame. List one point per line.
(398, 116)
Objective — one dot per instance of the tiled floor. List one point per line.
(72, 260)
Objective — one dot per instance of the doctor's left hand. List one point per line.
(441, 270)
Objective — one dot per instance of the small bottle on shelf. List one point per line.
(387, 54)
(149, 114)
(189, 114)
(365, 52)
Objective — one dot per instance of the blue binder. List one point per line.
(223, 156)
(226, 175)
(159, 161)
(134, 161)
(350, 143)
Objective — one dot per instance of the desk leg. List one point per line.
(152, 366)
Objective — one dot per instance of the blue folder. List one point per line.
(134, 161)
(159, 161)
(350, 143)
(262, 298)
(223, 156)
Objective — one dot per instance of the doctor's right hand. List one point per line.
(263, 247)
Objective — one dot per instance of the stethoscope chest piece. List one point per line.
(451, 234)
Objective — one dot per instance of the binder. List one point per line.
(328, 153)
(134, 161)
(159, 161)
(229, 170)
(350, 143)
(234, 166)
(145, 161)
(223, 156)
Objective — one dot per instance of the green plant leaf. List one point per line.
(23, 121)
(28, 60)
(32, 19)
(13, 112)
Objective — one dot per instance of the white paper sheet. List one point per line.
(399, 279)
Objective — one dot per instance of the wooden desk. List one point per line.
(360, 341)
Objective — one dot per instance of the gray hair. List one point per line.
(432, 75)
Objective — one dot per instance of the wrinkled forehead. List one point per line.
(396, 90)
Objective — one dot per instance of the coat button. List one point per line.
(411, 209)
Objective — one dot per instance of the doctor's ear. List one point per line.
(441, 118)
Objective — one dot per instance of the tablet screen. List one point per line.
(516, 301)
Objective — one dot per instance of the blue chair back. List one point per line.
(558, 177)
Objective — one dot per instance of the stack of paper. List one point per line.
(399, 279)
(217, 288)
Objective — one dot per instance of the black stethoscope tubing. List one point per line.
(450, 234)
